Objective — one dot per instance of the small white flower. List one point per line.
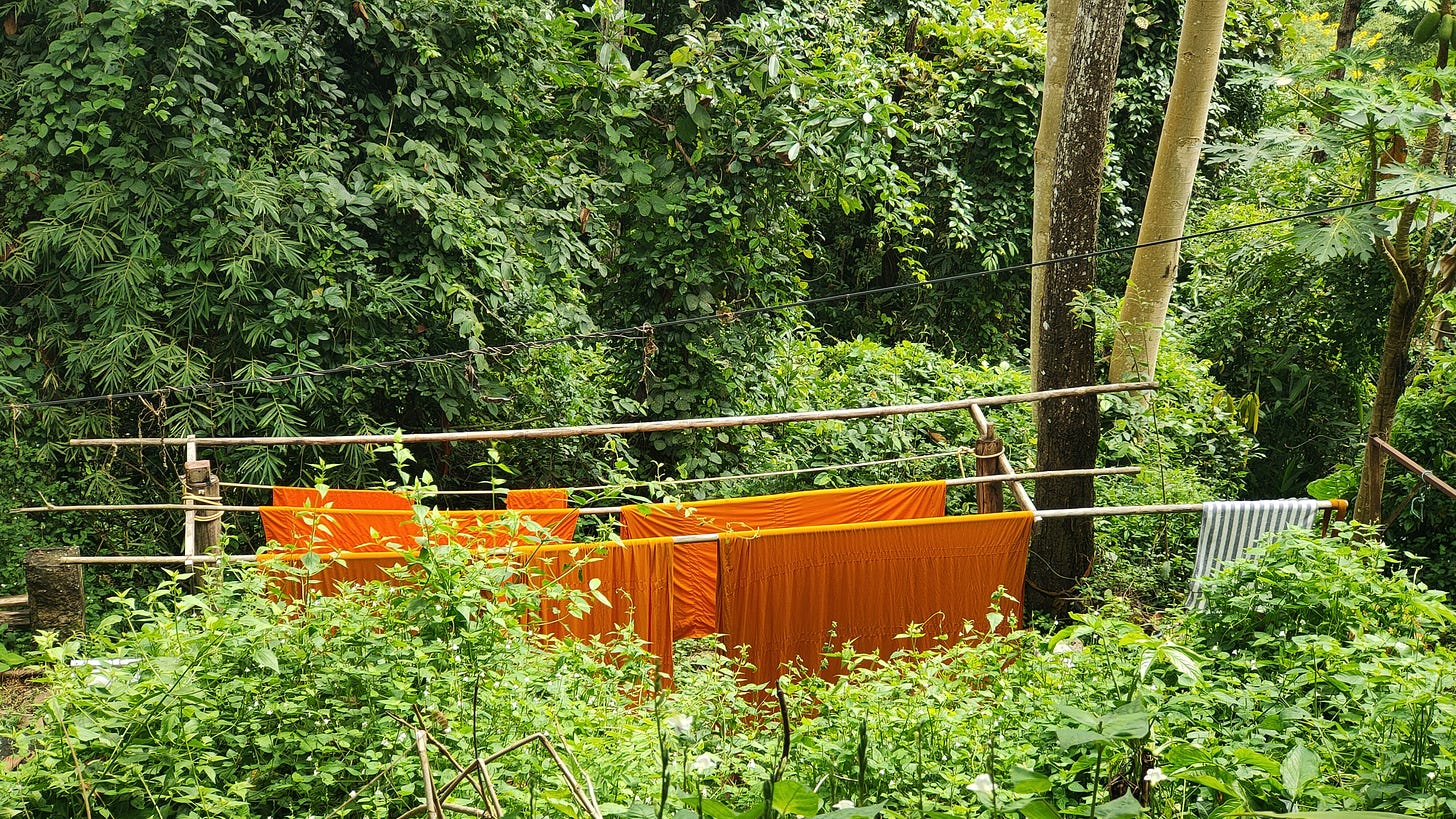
(1154, 776)
(843, 804)
(1431, 775)
(680, 723)
(704, 764)
(982, 784)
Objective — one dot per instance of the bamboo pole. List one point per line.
(807, 470)
(189, 520)
(587, 510)
(623, 429)
(1424, 475)
(1155, 509)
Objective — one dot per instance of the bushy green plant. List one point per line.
(1425, 431)
(1333, 697)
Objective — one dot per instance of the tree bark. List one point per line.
(1399, 330)
(1067, 429)
(1061, 22)
(1154, 271)
(1345, 34)
(1412, 275)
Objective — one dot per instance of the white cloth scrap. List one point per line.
(1231, 527)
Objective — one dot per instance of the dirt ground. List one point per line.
(20, 695)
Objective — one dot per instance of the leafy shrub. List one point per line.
(290, 709)
(1424, 431)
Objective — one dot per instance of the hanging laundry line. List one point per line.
(210, 505)
(620, 429)
(807, 470)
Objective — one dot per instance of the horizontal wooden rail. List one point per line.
(620, 429)
(1156, 509)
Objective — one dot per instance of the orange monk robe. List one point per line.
(536, 499)
(340, 498)
(783, 592)
(328, 529)
(695, 565)
(634, 576)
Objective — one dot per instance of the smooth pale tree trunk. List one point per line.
(1061, 23)
(1155, 269)
(1067, 429)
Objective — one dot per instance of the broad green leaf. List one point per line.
(1073, 737)
(1039, 809)
(1120, 808)
(1129, 721)
(1024, 780)
(1297, 769)
(791, 797)
(1254, 759)
(265, 658)
(1086, 719)
(713, 809)
(1341, 234)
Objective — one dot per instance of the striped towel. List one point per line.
(1231, 527)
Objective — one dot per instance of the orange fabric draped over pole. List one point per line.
(695, 565)
(536, 499)
(636, 578)
(782, 592)
(340, 498)
(374, 530)
(330, 529)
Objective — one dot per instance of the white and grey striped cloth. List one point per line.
(1231, 527)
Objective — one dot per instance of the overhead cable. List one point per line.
(720, 316)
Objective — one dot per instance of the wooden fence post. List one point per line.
(988, 452)
(205, 531)
(56, 591)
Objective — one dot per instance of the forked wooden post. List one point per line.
(57, 596)
(989, 448)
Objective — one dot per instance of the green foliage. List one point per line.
(1193, 446)
(1298, 334)
(1425, 432)
(1316, 681)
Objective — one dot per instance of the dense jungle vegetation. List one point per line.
(218, 216)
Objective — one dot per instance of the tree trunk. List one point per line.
(1067, 429)
(1405, 308)
(1345, 34)
(1061, 22)
(1412, 275)
(1155, 269)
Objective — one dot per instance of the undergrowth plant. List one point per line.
(1316, 682)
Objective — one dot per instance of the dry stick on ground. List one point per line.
(437, 801)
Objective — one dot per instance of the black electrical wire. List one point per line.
(723, 316)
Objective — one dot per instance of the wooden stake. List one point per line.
(1023, 499)
(56, 591)
(621, 429)
(988, 463)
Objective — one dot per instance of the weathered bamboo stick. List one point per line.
(622, 429)
(586, 510)
(1154, 509)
